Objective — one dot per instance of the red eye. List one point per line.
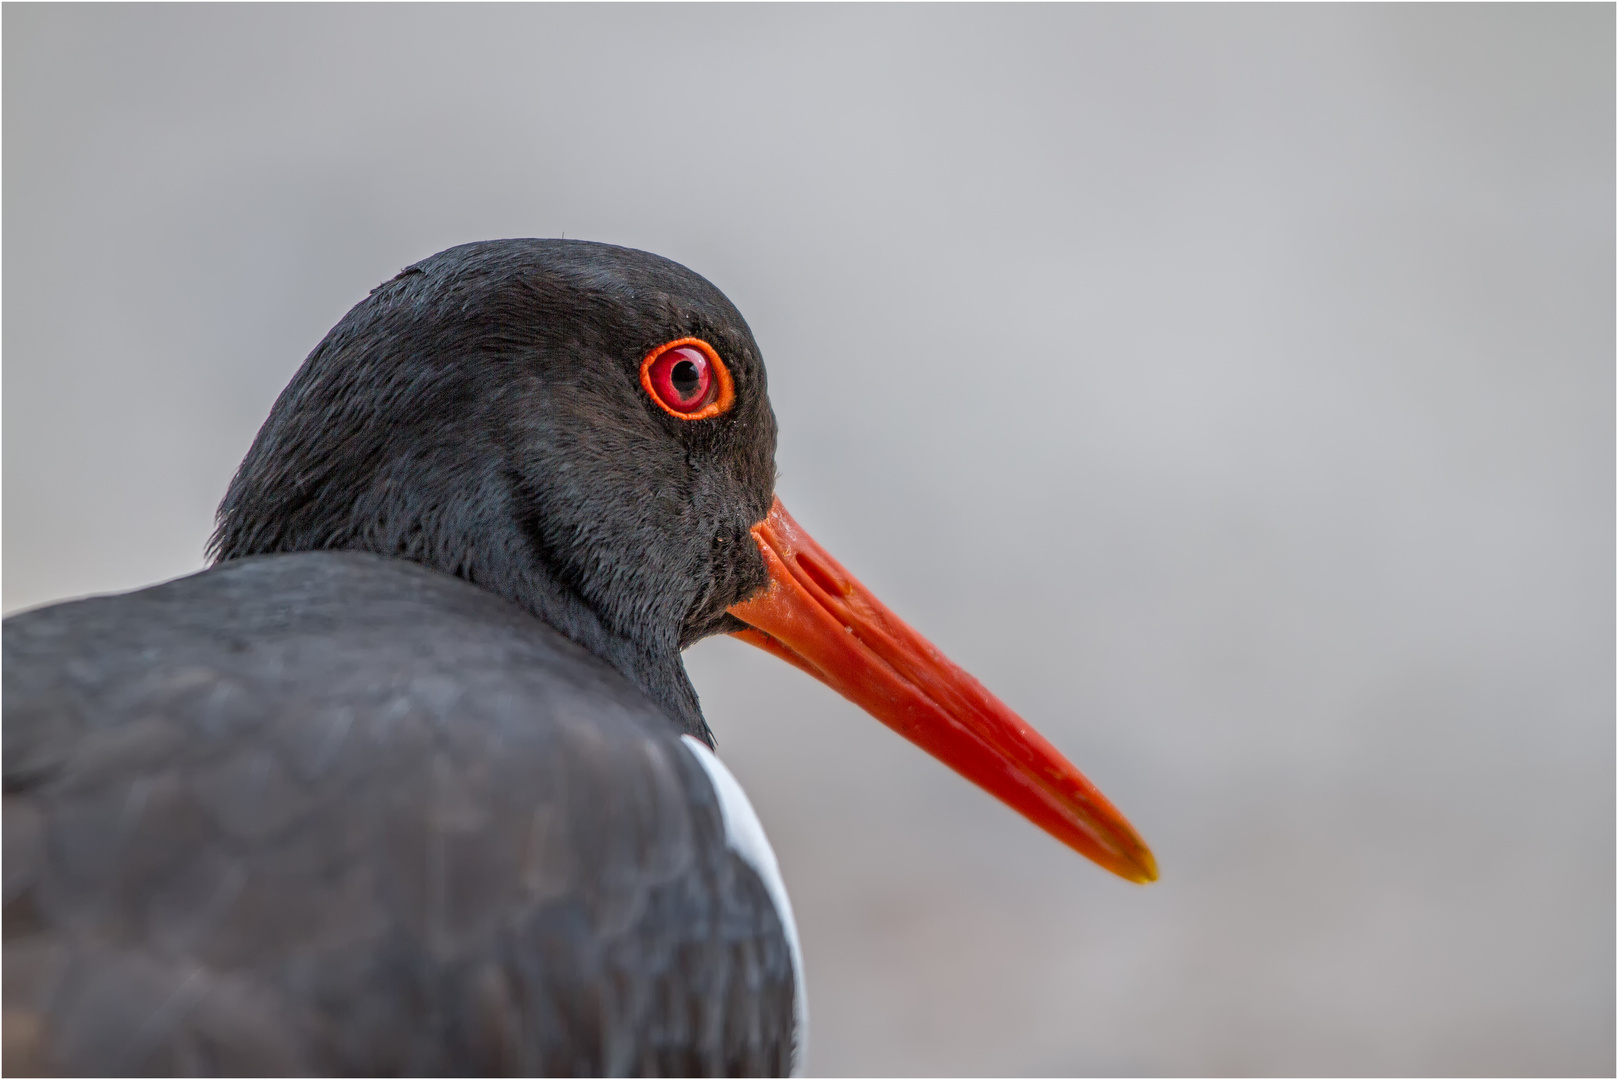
(683, 379)
(687, 378)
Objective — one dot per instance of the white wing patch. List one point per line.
(744, 834)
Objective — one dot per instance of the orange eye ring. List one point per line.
(721, 397)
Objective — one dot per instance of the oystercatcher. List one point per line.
(412, 779)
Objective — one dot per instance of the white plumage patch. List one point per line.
(744, 834)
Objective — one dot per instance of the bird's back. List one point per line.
(341, 814)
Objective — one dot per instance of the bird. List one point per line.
(412, 779)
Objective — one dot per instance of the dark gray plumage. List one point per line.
(339, 814)
(398, 786)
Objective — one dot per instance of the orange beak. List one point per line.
(816, 617)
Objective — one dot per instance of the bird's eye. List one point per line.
(687, 378)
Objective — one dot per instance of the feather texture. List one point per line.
(335, 813)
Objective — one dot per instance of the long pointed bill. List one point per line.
(817, 618)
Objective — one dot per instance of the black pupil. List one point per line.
(686, 378)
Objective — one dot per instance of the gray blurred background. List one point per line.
(1231, 389)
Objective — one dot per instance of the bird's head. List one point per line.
(584, 430)
(490, 412)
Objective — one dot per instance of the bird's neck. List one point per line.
(457, 535)
(508, 559)
(656, 670)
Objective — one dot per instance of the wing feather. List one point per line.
(329, 813)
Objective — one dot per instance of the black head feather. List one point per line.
(482, 414)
